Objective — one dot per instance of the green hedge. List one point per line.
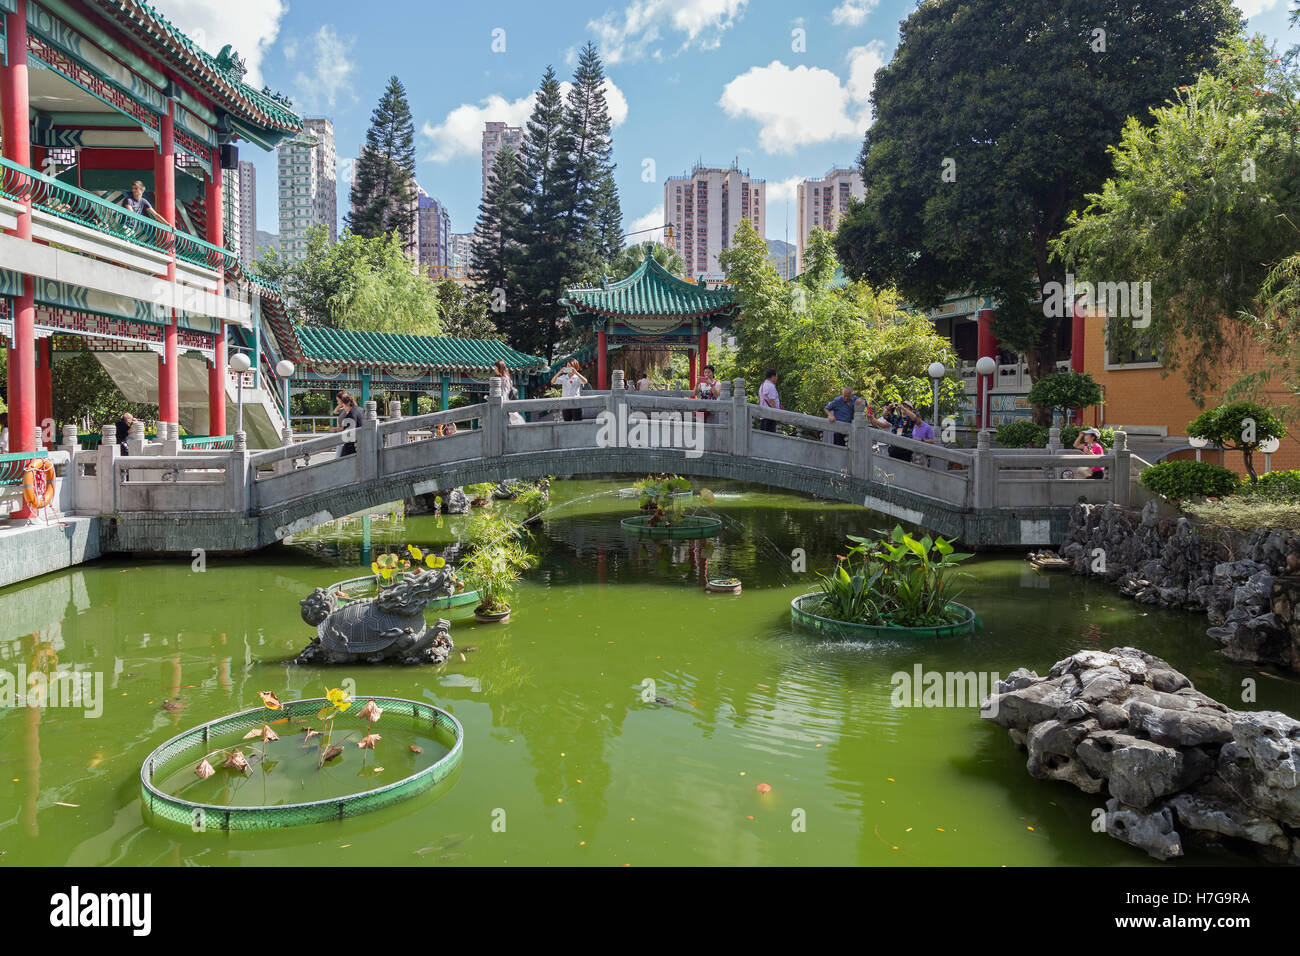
(1275, 486)
(1022, 434)
(1181, 480)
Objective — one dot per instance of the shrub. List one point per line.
(1275, 486)
(1238, 426)
(1065, 390)
(1022, 434)
(1180, 480)
(1247, 513)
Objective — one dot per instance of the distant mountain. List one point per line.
(777, 248)
(268, 240)
(782, 255)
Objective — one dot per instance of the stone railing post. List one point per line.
(1053, 449)
(69, 496)
(238, 479)
(985, 472)
(616, 382)
(615, 401)
(494, 420)
(70, 439)
(135, 440)
(861, 463)
(739, 419)
(106, 469)
(286, 465)
(395, 415)
(368, 443)
(171, 443)
(1122, 480)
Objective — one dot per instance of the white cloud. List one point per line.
(852, 12)
(250, 25)
(654, 219)
(330, 78)
(1249, 8)
(864, 61)
(782, 190)
(461, 132)
(634, 33)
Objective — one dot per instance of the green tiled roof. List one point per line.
(261, 107)
(338, 346)
(650, 291)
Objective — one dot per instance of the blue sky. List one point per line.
(710, 80)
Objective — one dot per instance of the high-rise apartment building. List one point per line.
(232, 209)
(704, 208)
(461, 249)
(496, 135)
(433, 224)
(247, 211)
(308, 188)
(821, 202)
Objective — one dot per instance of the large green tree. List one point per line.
(629, 260)
(464, 311)
(383, 191)
(992, 123)
(356, 283)
(821, 339)
(495, 252)
(1204, 200)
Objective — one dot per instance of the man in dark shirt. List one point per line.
(123, 426)
(840, 409)
(138, 204)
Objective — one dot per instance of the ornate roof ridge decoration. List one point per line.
(401, 350)
(222, 75)
(649, 291)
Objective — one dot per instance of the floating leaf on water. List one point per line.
(329, 755)
(268, 733)
(204, 770)
(416, 750)
(237, 761)
(311, 733)
(270, 700)
(371, 711)
(368, 741)
(764, 788)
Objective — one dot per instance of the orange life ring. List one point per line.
(38, 483)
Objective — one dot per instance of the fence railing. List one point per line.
(495, 431)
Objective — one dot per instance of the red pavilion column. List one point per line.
(602, 360)
(693, 378)
(216, 236)
(45, 392)
(704, 349)
(165, 196)
(17, 149)
(987, 345)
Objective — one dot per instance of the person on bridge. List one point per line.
(350, 420)
(708, 386)
(508, 390)
(768, 398)
(570, 381)
(1087, 441)
(123, 426)
(840, 409)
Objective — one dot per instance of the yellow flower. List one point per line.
(340, 699)
(415, 552)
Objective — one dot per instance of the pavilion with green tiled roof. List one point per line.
(652, 308)
(392, 362)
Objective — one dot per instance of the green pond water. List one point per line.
(566, 761)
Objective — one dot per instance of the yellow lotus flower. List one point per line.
(339, 698)
(434, 561)
(415, 552)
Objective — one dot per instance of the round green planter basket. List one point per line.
(691, 526)
(160, 807)
(357, 589)
(802, 613)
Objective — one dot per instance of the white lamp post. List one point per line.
(937, 372)
(285, 369)
(986, 367)
(1198, 444)
(239, 364)
(1269, 448)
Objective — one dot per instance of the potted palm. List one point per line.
(493, 570)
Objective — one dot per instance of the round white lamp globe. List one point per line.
(239, 362)
(284, 368)
(1271, 446)
(986, 366)
(937, 370)
(1197, 442)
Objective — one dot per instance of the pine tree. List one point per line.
(383, 192)
(495, 255)
(540, 267)
(609, 219)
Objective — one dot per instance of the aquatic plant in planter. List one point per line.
(896, 583)
(480, 494)
(663, 502)
(493, 570)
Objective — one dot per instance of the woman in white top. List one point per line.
(508, 390)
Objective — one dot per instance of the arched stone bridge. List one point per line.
(240, 500)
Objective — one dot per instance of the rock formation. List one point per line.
(1245, 584)
(1178, 768)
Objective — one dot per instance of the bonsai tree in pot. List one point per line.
(493, 570)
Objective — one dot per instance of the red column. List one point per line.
(704, 350)
(1076, 337)
(45, 392)
(17, 149)
(165, 196)
(602, 361)
(987, 345)
(692, 372)
(216, 236)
